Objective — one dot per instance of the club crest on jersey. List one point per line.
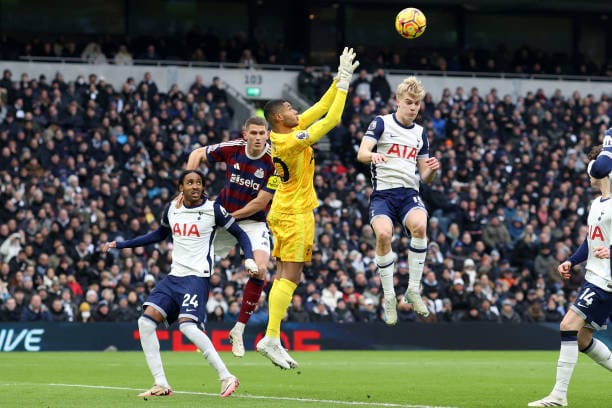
(401, 151)
(302, 135)
(259, 173)
(185, 230)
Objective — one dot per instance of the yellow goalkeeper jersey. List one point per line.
(293, 157)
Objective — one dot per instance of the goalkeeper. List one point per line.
(291, 218)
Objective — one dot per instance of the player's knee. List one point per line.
(585, 337)
(418, 231)
(186, 326)
(565, 326)
(583, 343)
(384, 236)
(146, 324)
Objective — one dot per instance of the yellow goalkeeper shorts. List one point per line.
(293, 236)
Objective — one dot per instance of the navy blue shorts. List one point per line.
(184, 296)
(594, 305)
(395, 203)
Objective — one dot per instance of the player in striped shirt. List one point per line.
(593, 304)
(398, 151)
(183, 294)
(249, 186)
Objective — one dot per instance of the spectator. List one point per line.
(323, 82)
(459, 298)
(487, 313)
(217, 314)
(507, 314)
(307, 84)
(343, 313)
(9, 311)
(123, 56)
(231, 316)
(150, 54)
(11, 246)
(121, 312)
(380, 87)
(84, 313)
(552, 313)
(495, 235)
(92, 54)
(368, 312)
(102, 312)
(58, 313)
(216, 299)
(217, 91)
(35, 311)
(330, 295)
(321, 313)
(247, 60)
(361, 85)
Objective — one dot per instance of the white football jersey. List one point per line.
(599, 234)
(193, 233)
(402, 146)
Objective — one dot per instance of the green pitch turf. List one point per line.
(325, 379)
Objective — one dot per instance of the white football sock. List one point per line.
(600, 353)
(239, 326)
(568, 356)
(150, 347)
(386, 267)
(417, 250)
(201, 341)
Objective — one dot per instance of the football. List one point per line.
(410, 23)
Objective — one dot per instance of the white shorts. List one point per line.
(258, 234)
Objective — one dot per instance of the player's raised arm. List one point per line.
(152, 237)
(320, 108)
(602, 166)
(341, 83)
(196, 157)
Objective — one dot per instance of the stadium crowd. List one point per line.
(83, 163)
(198, 46)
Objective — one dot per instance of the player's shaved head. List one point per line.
(272, 108)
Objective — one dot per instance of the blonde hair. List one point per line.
(411, 86)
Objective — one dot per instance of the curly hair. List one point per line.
(595, 152)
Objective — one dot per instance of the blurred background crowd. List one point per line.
(83, 163)
(200, 47)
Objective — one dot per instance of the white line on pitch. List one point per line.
(246, 396)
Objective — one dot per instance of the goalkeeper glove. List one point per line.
(343, 57)
(346, 69)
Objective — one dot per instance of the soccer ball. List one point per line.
(410, 23)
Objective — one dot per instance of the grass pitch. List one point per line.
(403, 379)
